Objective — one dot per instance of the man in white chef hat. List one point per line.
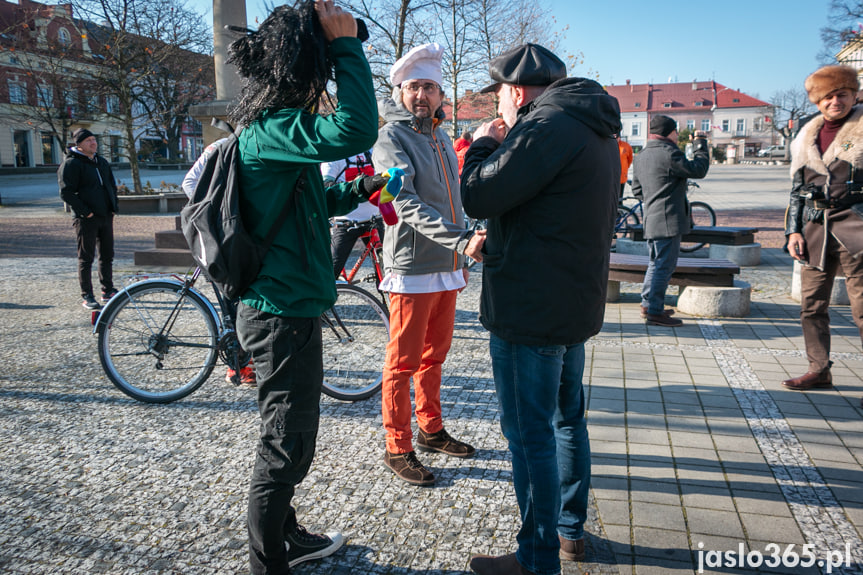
(424, 260)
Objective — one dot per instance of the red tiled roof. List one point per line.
(681, 95)
(473, 106)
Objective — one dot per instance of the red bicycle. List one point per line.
(372, 253)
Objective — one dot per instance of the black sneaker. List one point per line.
(304, 546)
(90, 302)
(107, 295)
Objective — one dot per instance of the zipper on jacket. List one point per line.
(449, 192)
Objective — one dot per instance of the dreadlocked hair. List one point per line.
(285, 63)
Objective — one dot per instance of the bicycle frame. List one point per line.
(373, 244)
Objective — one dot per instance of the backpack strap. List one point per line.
(299, 187)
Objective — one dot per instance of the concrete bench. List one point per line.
(735, 244)
(708, 285)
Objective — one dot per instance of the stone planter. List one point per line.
(168, 203)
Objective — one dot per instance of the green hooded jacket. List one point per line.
(296, 279)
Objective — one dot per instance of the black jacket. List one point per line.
(87, 185)
(550, 193)
(659, 175)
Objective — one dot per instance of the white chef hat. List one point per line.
(420, 63)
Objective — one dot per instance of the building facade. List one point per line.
(738, 123)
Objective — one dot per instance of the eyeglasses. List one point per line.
(415, 88)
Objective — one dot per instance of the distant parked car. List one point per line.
(772, 152)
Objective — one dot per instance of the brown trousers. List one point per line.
(815, 289)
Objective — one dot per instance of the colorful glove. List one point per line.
(385, 195)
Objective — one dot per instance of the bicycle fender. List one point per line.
(122, 295)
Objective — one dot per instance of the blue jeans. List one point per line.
(541, 399)
(663, 260)
(289, 369)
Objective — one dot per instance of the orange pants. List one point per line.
(421, 327)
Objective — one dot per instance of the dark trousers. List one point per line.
(288, 364)
(93, 232)
(815, 289)
(343, 236)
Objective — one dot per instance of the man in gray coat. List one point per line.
(424, 260)
(659, 176)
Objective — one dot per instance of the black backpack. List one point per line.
(212, 224)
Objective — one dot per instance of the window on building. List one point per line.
(112, 104)
(64, 37)
(48, 144)
(690, 125)
(705, 125)
(758, 124)
(699, 103)
(741, 126)
(726, 125)
(17, 92)
(93, 103)
(666, 104)
(70, 99)
(45, 96)
(638, 104)
(736, 100)
(635, 130)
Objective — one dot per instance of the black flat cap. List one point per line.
(527, 65)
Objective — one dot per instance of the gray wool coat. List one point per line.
(659, 175)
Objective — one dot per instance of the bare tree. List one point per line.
(137, 40)
(790, 108)
(844, 19)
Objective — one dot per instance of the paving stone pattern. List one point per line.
(696, 447)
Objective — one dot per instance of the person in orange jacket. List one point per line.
(625, 160)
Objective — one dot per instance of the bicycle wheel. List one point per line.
(701, 215)
(355, 335)
(626, 219)
(156, 346)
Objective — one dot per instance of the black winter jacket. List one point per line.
(87, 185)
(549, 192)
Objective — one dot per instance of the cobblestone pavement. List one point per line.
(697, 450)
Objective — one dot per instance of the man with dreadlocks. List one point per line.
(287, 63)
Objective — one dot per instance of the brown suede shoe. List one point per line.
(664, 312)
(663, 320)
(571, 550)
(443, 442)
(810, 380)
(407, 467)
(503, 565)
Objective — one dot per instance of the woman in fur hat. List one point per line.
(825, 215)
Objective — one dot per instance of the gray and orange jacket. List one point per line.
(430, 235)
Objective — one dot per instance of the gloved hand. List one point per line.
(371, 184)
(386, 193)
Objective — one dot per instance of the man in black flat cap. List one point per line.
(659, 175)
(547, 176)
(87, 185)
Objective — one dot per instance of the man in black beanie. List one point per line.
(659, 176)
(87, 185)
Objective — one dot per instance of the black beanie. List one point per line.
(81, 134)
(662, 125)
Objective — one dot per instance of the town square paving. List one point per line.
(702, 462)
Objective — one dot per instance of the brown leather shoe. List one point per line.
(663, 320)
(407, 467)
(666, 311)
(444, 443)
(571, 550)
(503, 565)
(810, 380)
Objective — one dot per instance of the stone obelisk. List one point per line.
(228, 82)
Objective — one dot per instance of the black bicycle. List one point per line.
(160, 338)
(630, 213)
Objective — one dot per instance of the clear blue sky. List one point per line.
(756, 46)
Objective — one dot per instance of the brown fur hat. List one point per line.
(829, 78)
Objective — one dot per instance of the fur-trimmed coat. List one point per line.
(841, 162)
